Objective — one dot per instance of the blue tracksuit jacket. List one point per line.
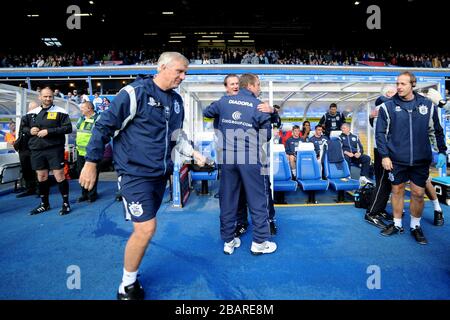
(404, 129)
(142, 119)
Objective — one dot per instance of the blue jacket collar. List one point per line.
(247, 92)
(419, 98)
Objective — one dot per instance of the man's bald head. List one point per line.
(32, 105)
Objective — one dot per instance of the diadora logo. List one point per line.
(236, 115)
(398, 109)
(241, 103)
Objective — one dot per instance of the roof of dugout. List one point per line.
(293, 86)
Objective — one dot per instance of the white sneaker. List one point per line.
(265, 247)
(363, 180)
(228, 247)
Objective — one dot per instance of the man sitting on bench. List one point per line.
(354, 153)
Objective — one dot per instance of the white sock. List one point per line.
(294, 172)
(437, 206)
(398, 222)
(127, 279)
(415, 222)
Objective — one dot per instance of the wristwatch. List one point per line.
(442, 103)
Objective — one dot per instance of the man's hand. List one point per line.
(374, 113)
(387, 164)
(357, 155)
(42, 133)
(34, 131)
(434, 96)
(264, 107)
(348, 154)
(88, 175)
(441, 160)
(199, 158)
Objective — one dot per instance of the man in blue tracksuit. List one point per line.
(291, 145)
(354, 152)
(145, 120)
(332, 120)
(231, 84)
(244, 129)
(405, 125)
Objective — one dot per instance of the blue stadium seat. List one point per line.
(309, 175)
(207, 148)
(282, 177)
(337, 170)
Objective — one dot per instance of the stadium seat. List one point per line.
(309, 175)
(207, 148)
(337, 170)
(10, 169)
(282, 177)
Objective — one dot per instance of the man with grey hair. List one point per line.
(354, 152)
(143, 118)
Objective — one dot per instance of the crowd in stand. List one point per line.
(230, 56)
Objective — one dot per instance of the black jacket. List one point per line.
(55, 119)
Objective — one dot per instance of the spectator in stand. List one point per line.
(97, 101)
(10, 137)
(76, 98)
(84, 97)
(58, 94)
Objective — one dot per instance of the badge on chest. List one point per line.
(51, 115)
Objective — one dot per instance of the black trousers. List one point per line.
(84, 192)
(28, 174)
(380, 196)
(364, 161)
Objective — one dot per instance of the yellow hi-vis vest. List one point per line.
(84, 133)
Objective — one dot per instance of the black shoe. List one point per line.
(92, 199)
(240, 230)
(42, 207)
(65, 209)
(273, 227)
(118, 198)
(386, 216)
(392, 229)
(26, 194)
(83, 198)
(375, 220)
(438, 218)
(132, 292)
(417, 233)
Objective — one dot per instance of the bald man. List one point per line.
(47, 126)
